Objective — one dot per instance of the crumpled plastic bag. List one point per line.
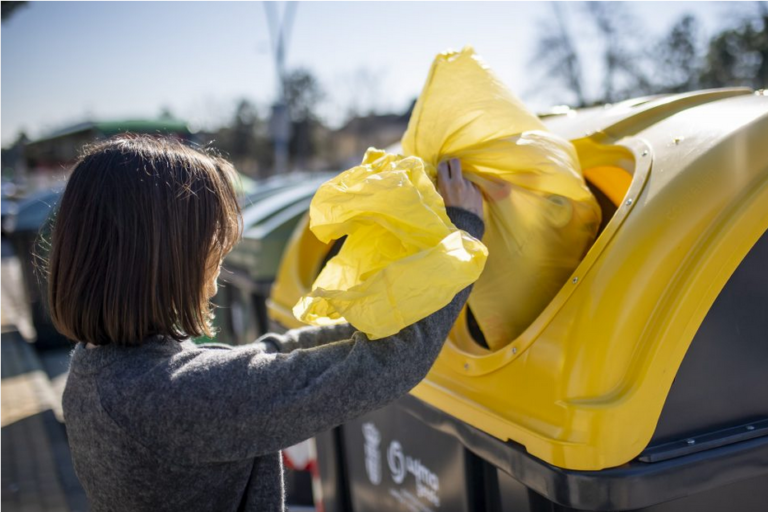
(402, 260)
(540, 216)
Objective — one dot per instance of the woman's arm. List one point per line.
(227, 405)
(235, 404)
(456, 191)
(304, 337)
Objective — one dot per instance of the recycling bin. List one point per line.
(249, 270)
(642, 384)
(233, 301)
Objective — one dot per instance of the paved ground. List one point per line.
(37, 472)
(15, 313)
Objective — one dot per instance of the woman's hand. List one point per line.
(456, 190)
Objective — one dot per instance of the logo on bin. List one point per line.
(427, 482)
(396, 462)
(372, 453)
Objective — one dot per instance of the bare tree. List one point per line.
(622, 60)
(364, 91)
(679, 59)
(303, 93)
(739, 56)
(557, 52)
(623, 74)
(678, 62)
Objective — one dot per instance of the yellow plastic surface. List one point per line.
(402, 260)
(612, 181)
(584, 385)
(540, 216)
(299, 267)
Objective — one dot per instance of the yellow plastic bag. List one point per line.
(403, 258)
(540, 216)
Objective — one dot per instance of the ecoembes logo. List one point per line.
(427, 483)
(372, 453)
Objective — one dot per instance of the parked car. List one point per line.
(641, 386)
(28, 230)
(9, 209)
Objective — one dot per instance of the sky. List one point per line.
(65, 62)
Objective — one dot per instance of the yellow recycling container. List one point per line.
(683, 184)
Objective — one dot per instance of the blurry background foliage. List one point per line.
(632, 65)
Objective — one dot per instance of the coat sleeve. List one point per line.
(310, 337)
(247, 403)
(304, 337)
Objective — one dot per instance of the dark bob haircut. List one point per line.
(137, 243)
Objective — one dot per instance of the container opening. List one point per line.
(608, 172)
(609, 185)
(333, 251)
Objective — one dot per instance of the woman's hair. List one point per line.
(140, 233)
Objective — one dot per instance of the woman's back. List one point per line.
(135, 446)
(156, 422)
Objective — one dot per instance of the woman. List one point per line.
(156, 422)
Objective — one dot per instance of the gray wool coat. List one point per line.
(176, 426)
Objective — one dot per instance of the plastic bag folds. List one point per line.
(402, 260)
(540, 216)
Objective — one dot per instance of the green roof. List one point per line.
(109, 128)
(143, 126)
